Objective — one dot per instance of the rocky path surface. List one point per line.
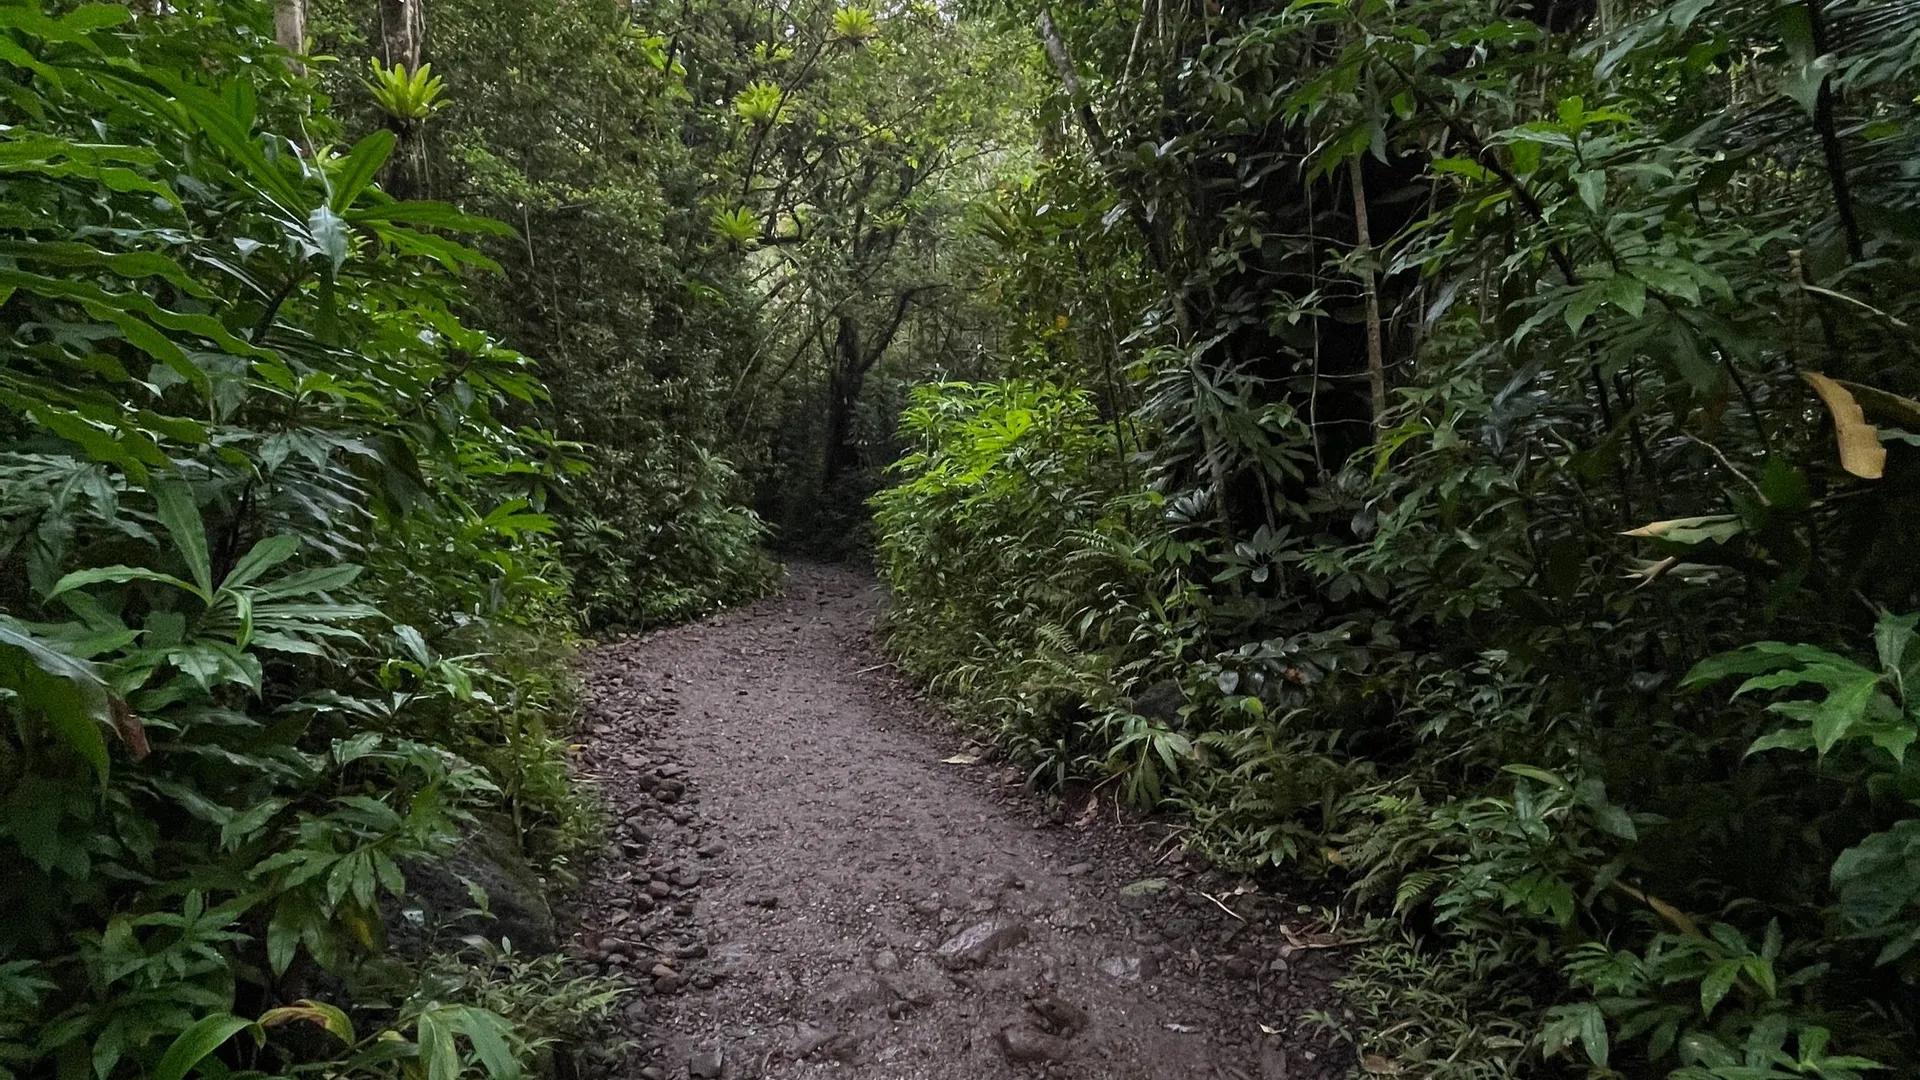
(808, 878)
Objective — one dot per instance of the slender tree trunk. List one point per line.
(1376, 346)
(1836, 158)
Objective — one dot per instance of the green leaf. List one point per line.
(487, 1032)
(1841, 710)
(1459, 166)
(1718, 983)
(67, 693)
(1891, 637)
(116, 575)
(1592, 186)
(195, 1044)
(434, 215)
(263, 557)
(329, 232)
(1583, 305)
(1593, 1036)
(1535, 773)
(355, 171)
(438, 1054)
(308, 582)
(283, 935)
(181, 516)
(1628, 293)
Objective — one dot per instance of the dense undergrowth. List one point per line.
(1463, 452)
(285, 618)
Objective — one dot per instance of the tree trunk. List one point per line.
(290, 27)
(844, 382)
(403, 33)
(1363, 236)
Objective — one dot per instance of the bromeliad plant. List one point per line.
(406, 96)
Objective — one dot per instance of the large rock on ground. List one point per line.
(1023, 1046)
(980, 942)
(437, 894)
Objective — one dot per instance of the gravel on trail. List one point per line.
(809, 875)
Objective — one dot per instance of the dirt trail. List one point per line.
(801, 885)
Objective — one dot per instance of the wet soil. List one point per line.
(812, 875)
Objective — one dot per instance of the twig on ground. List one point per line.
(1223, 907)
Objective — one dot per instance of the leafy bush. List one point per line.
(271, 560)
(1488, 367)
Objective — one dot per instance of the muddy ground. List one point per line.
(810, 877)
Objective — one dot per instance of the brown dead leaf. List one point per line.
(131, 730)
(1860, 451)
(1675, 918)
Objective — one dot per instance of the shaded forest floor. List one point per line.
(808, 876)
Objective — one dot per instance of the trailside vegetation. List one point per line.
(1464, 451)
(285, 621)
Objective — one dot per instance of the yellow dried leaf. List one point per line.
(1676, 918)
(1860, 451)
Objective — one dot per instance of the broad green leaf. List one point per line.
(438, 1054)
(195, 1044)
(1592, 186)
(356, 170)
(118, 575)
(487, 1032)
(181, 515)
(307, 582)
(68, 693)
(329, 232)
(433, 215)
(1892, 636)
(261, 558)
(1627, 293)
